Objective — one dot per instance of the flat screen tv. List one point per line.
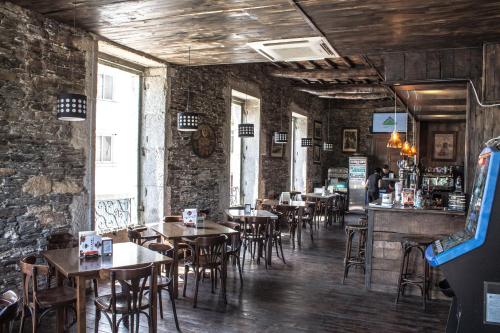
(384, 122)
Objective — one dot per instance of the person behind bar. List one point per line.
(386, 186)
(373, 185)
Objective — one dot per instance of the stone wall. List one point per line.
(203, 182)
(44, 176)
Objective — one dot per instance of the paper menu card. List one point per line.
(190, 216)
(89, 243)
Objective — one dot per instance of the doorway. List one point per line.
(116, 148)
(298, 172)
(244, 152)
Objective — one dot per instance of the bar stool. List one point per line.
(410, 244)
(361, 228)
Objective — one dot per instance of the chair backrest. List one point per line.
(135, 237)
(212, 249)
(257, 226)
(136, 279)
(9, 303)
(62, 240)
(34, 277)
(234, 240)
(172, 218)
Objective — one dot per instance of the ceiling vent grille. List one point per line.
(295, 49)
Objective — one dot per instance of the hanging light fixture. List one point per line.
(327, 145)
(281, 137)
(395, 140)
(406, 150)
(413, 149)
(187, 121)
(307, 142)
(246, 130)
(71, 106)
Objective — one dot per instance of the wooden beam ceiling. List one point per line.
(356, 96)
(326, 89)
(216, 30)
(326, 74)
(379, 26)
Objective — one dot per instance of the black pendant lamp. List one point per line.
(246, 130)
(307, 142)
(187, 121)
(72, 106)
(327, 145)
(281, 137)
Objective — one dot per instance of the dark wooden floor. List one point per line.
(305, 295)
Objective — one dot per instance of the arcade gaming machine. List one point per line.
(470, 259)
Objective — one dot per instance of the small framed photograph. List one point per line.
(350, 140)
(318, 130)
(444, 146)
(277, 149)
(317, 153)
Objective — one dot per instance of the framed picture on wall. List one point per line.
(444, 146)
(277, 149)
(350, 140)
(317, 153)
(318, 130)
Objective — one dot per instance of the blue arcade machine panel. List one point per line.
(478, 218)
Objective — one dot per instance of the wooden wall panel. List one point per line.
(456, 64)
(491, 76)
(426, 141)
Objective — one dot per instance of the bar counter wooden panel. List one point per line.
(386, 226)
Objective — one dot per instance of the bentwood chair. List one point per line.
(38, 298)
(9, 302)
(65, 240)
(135, 236)
(255, 237)
(208, 253)
(165, 282)
(130, 302)
(234, 246)
(183, 248)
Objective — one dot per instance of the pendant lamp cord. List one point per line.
(395, 109)
(328, 118)
(189, 79)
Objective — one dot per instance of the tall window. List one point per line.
(244, 152)
(298, 156)
(116, 148)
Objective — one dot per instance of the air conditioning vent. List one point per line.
(296, 49)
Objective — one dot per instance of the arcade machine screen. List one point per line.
(469, 232)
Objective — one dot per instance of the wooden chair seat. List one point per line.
(55, 296)
(203, 261)
(122, 302)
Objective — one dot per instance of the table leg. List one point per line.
(175, 271)
(299, 226)
(154, 299)
(60, 317)
(81, 313)
(270, 242)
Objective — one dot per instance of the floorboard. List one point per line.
(305, 295)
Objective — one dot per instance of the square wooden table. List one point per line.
(175, 231)
(240, 214)
(125, 255)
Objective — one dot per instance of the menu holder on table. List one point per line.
(90, 244)
(190, 217)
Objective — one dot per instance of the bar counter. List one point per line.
(386, 227)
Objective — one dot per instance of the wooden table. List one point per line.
(125, 255)
(175, 231)
(319, 196)
(240, 214)
(299, 205)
